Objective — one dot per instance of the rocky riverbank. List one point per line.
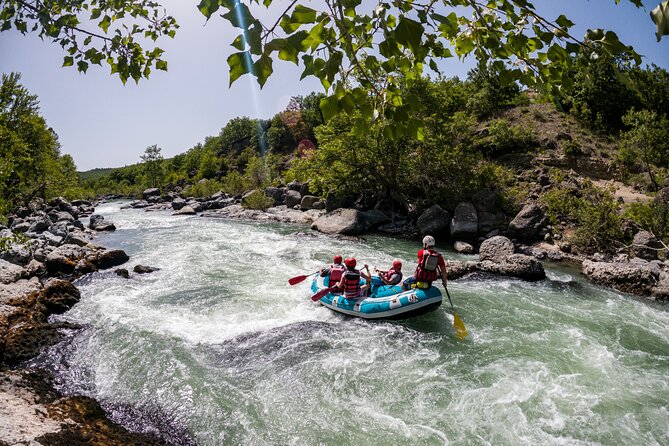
(640, 269)
(44, 248)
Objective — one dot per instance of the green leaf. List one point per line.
(239, 63)
(240, 16)
(564, 22)
(68, 61)
(329, 107)
(104, 23)
(161, 65)
(82, 66)
(409, 33)
(302, 14)
(262, 69)
(208, 7)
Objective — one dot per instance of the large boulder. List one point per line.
(487, 201)
(178, 203)
(58, 296)
(308, 202)
(496, 248)
(434, 220)
(463, 248)
(40, 222)
(629, 277)
(98, 223)
(9, 272)
(464, 225)
(110, 258)
(516, 265)
(489, 222)
(294, 185)
(645, 245)
(527, 223)
(186, 210)
(64, 258)
(278, 194)
(13, 291)
(151, 192)
(341, 221)
(293, 198)
(372, 219)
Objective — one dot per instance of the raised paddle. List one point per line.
(316, 297)
(297, 279)
(458, 323)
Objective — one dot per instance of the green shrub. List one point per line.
(652, 216)
(594, 213)
(503, 139)
(257, 200)
(203, 188)
(572, 148)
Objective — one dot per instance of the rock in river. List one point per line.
(341, 221)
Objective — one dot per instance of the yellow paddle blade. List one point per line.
(459, 324)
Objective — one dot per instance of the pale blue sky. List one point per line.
(102, 123)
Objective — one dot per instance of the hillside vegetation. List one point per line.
(596, 162)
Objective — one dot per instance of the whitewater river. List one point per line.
(218, 343)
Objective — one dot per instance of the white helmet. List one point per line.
(428, 241)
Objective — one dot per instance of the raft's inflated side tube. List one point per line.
(385, 302)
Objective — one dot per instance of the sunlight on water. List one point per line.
(218, 341)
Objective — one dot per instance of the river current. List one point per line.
(218, 343)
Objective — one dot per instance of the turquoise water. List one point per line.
(218, 342)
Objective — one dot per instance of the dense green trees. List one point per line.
(30, 161)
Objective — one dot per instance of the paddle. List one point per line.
(297, 279)
(458, 323)
(316, 297)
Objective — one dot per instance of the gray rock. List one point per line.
(84, 266)
(17, 253)
(122, 272)
(18, 289)
(463, 248)
(645, 245)
(516, 265)
(489, 222)
(186, 210)
(277, 194)
(35, 268)
(153, 199)
(293, 198)
(40, 223)
(464, 225)
(64, 258)
(341, 221)
(61, 216)
(526, 225)
(295, 186)
(434, 220)
(496, 248)
(308, 202)
(142, 269)
(638, 279)
(21, 226)
(372, 219)
(98, 223)
(151, 192)
(110, 258)
(9, 272)
(76, 238)
(51, 239)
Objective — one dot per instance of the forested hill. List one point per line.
(476, 135)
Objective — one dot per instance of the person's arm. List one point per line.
(368, 276)
(340, 285)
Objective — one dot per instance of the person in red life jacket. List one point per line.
(393, 276)
(335, 271)
(431, 265)
(350, 280)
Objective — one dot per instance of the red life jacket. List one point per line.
(427, 268)
(352, 284)
(392, 271)
(336, 271)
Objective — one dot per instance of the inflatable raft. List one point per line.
(385, 301)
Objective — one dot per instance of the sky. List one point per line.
(102, 123)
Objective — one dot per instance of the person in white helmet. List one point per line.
(431, 265)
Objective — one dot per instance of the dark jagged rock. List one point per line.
(464, 225)
(83, 267)
(122, 272)
(295, 186)
(110, 258)
(372, 219)
(277, 194)
(178, 203)
(646, 246)
(98, 223)
(526, 225)
(151, 192)
(64, 258)
(434, 221)
(292, 198)
(142, 269)
(58, 296)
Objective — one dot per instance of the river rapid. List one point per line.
(218, 343)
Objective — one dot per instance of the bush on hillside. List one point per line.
(257, 200)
